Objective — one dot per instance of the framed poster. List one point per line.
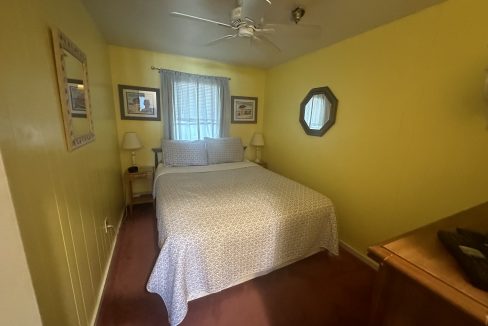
(139, 103)
(244, 109)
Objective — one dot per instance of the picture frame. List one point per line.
(139, 103)
(244, 109)
(76, 98)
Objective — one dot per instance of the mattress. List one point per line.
(223, 224)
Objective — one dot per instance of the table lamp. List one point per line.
(258, 142)
(132, 143)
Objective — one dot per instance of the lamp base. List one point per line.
(133, 169)
(258, 154)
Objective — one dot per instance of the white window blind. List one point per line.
(194, 106)
(197, 109)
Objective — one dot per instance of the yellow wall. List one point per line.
(410, 144)
(132, 67)
(61, 198)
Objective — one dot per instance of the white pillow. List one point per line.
(184, 152)
(224, 150)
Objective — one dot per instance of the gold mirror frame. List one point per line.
(62, 43)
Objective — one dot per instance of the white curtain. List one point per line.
(317, 111)
(194, 106)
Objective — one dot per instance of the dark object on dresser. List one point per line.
(420, 283)
(470, 249)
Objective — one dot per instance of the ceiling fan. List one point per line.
(245, 26)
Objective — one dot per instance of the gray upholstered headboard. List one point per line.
(158, 152)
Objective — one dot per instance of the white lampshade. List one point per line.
(131, 142)
(257, 139)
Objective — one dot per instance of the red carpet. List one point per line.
(319, 290)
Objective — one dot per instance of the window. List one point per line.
(197, 110)
(194, 106)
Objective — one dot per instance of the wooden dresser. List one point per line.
(420, 283)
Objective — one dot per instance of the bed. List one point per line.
(223, 224)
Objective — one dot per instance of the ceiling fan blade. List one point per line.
(268, 1)
(296, 30)
(179, 14)
(265, 30)
(250, 21)
(267, 41)
(226, 37)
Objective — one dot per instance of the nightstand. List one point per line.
(134, 198)
(263, 164)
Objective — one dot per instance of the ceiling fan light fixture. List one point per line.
(246, 31)
(297, 14)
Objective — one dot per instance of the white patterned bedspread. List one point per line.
(223, 224)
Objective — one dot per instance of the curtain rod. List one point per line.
(159, 69)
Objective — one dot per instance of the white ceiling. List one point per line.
(147, 24)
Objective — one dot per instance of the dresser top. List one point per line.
(422, 250)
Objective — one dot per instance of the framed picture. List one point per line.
(139, 103)
(244, 109)
(76, 98)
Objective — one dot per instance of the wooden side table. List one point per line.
(134, 198)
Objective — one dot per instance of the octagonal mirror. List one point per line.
(318, 111)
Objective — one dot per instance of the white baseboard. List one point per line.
(107, 268)
(365, 259)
